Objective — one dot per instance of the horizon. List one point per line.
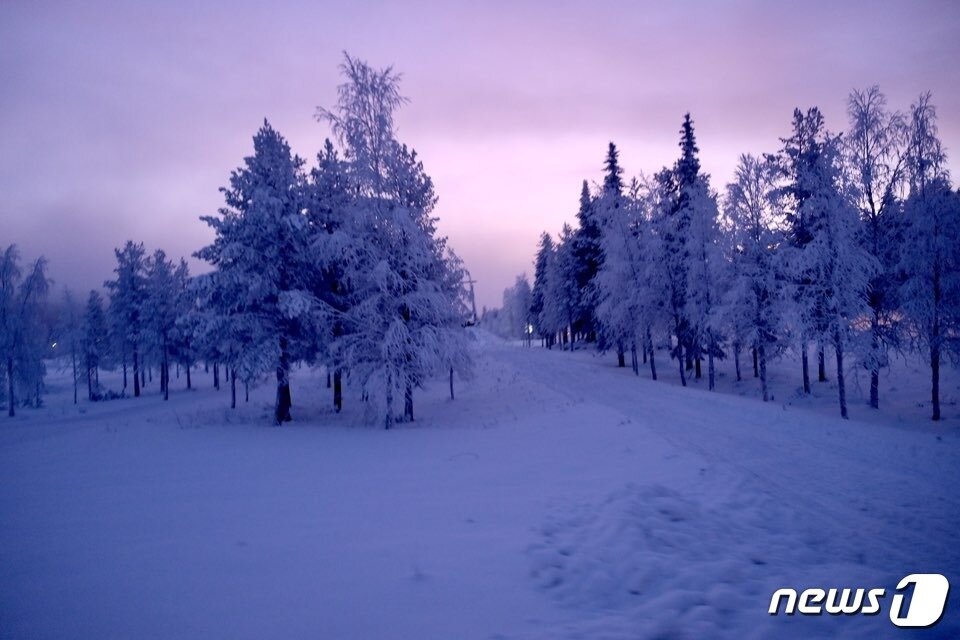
(115, 129)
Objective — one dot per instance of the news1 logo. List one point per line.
(927, 602)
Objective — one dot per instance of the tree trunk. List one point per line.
(408, 403)
(821, 365)
(246, 391)
(124, 372)
(216, 376)
(388, 421)
(283, 385)
(634, 361)
(136, 374)
(188, 377)
(328, 377)
(233, 392)
(338, 390)
(697, 367)
(711, 371)
(736, 360)
(806, 369)
(935, 381)
(165, 375)
(653, 364)
(621, 356)
(763, 372)
(451, 383)
(11, 411)
(73, 357)
(683, 372)
(841, 390)
(89, 384)
(756, 370)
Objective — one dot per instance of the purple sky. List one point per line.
(120, 122)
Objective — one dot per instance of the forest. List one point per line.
(337, 265)
(843, 248)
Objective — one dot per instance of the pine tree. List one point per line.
(675, 188)
(830, 272)
(127, 295)
(258, 256)
(539, 291)
(405, 316)
(160, 311)
(95, 342)
(588, 255)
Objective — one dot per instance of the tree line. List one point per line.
(837, 246)
(338, 265)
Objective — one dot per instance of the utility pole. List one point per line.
(473, 299)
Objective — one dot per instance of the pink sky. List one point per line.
(121, 122)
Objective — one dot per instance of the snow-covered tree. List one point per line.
(23, 339)
(405, 314)
(587, 255)
(516, 310)
(930, 256)
(754, 231)
(874, 149)
(127, 295)
(830, 272)
(539, 301)
(258, 256)
(621, 283)
(160, 311)
(706, 276)
(70, 336)
(674, 193)
(95, 342)
(563, 286)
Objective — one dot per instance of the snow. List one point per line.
(556, 497)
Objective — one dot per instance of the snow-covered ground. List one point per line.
(556, 497)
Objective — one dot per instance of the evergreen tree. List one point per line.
(588, 255)
(127, 295)
(405, 315)
(829, 271)
(258, 256)
(539, 291)
(95, 342)
(160, 311)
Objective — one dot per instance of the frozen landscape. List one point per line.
(557, 497)
(479, 321)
